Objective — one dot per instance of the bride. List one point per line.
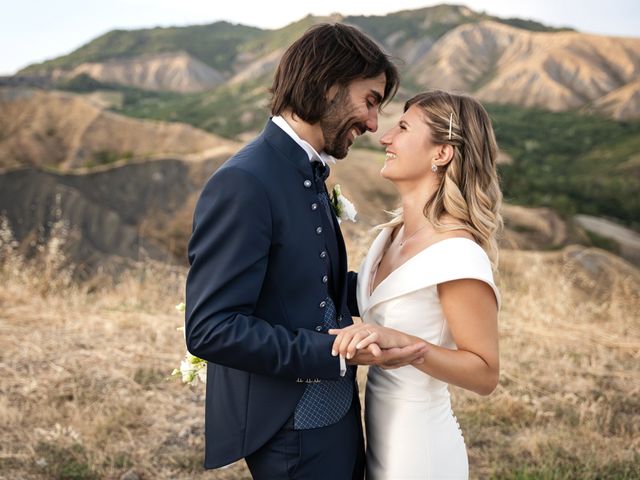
(428, 278)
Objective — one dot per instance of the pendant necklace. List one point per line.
(402, 242)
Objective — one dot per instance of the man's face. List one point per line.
(352, 111)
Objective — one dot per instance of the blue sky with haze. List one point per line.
(36, 30)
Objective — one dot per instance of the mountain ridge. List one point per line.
(555, 71)
(123, 43)
(445, 46)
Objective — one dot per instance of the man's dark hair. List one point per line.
(327, 55)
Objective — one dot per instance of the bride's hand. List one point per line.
(362, 335)
(389, 358)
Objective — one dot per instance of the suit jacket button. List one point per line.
(339, 318)
(307, 183)
(318, 328)
(325, 279)
(323, 254)
(314, 206)
(319, 230)
(323, 304)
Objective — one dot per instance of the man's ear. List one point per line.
(332, 92)
(445, 155)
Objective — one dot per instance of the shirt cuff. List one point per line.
(343, 366)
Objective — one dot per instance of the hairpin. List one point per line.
(450, 120)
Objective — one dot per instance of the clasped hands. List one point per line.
(365, 344)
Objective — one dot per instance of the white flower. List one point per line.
(191, 368)
(348, 210)
(187, 372)
(345, 210)
(202, 375)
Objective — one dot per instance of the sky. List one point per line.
(32, 31)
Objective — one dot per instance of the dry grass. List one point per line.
(84, 384)
(84, 389)
(568, 401)
(84, 377)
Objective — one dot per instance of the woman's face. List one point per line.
(410, 150)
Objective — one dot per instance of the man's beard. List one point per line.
(337, 124)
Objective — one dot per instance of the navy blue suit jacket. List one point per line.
(254, 291)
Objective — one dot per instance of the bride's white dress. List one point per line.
(411, 430)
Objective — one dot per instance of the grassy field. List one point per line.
(85, 394)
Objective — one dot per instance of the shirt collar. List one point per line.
(314, 156)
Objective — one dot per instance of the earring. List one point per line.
(434, 168)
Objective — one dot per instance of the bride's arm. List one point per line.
(472, 315)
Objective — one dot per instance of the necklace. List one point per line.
(402, 242)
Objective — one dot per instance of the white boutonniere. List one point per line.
(342, 206)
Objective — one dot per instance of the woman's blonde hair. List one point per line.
(469, 189)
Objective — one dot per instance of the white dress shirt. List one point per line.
(306, 146)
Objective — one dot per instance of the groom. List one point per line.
(268, 273)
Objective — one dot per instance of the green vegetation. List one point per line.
(105, 157)
(66, 463)
(431, 22)
(532, 25)
(228, 110)
(216, 45)
(603, 242)
(405, 25)
(569, 161)
(271, 40)
(84, 83)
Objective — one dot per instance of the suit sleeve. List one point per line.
(352, 291)
(228, 254)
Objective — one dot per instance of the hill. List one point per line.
(56, 129)
(174, 71)
(216, 44)
(510, 61)
(557, 71)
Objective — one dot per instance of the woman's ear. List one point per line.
(445, 155)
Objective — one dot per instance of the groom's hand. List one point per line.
(390, 358)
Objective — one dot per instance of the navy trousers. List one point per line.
(334, 452)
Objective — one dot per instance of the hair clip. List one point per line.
(450, 120)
